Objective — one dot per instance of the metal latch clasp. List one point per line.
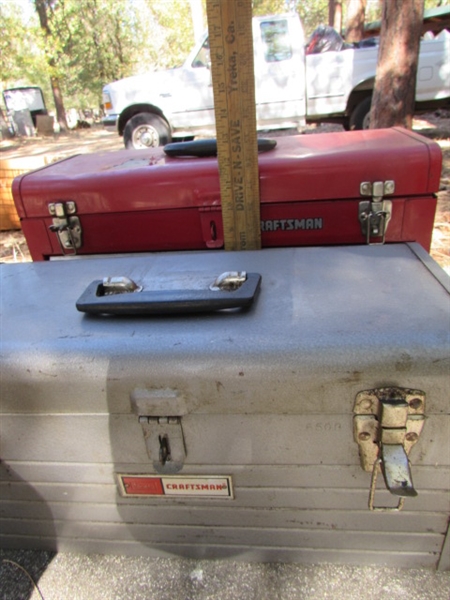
(165, 443)
(163, 435)
(387, 423)
(374, 215)
(66, 225)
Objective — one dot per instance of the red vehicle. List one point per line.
(371, 186)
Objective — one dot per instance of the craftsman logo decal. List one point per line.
(291, 224)
(175, 485)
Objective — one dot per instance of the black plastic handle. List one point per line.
(162, 302)
(203, 148)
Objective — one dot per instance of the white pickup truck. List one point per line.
(292, 87)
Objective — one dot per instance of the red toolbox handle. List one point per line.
(203, 148)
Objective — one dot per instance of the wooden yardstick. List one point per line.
(231, 49)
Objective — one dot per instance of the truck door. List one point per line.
(279, 70)
(195, 100)
(433, 70)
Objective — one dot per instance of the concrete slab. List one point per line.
(98, 577)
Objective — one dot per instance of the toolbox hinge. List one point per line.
(387, 424)
(375, 214)
(164, 440)
(66, 225)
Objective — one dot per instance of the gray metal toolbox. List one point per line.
(257, 433)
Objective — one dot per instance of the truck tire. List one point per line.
(146, 130)
(359, 119)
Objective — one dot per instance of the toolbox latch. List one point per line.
(375, 214)
(387, 424)
(211, 224)
(66, 225)
(165, 443)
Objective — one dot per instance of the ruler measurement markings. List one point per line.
(231, 48)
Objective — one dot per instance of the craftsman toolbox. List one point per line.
(341, 188)
(289, 404)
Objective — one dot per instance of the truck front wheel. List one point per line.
(360, 117)
(146, 130)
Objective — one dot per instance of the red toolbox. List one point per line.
(334, 188)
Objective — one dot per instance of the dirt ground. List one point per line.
(13, 247)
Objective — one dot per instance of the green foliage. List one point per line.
(92, 42)
(22, 60)
(435, 4)
(268, 7)
(312, 14)
(169, 33)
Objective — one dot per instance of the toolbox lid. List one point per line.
(300, 168)
(328, 323)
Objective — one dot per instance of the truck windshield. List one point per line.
(202, 59)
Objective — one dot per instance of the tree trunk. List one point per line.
(41, 9)
(335, 14)
(59, 104)
(354, 27)
(395, 83)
